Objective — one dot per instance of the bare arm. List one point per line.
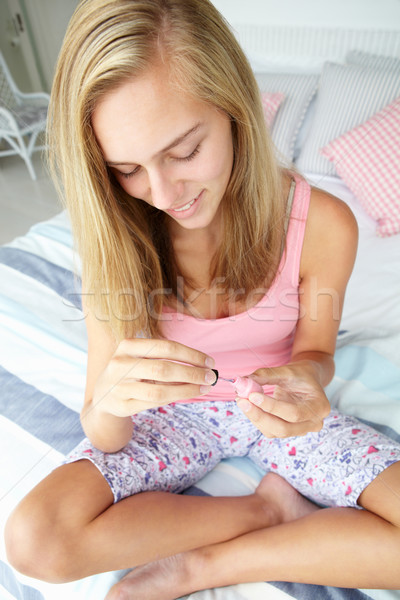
(134, 375)
(299, 403)
(106, 431)
(327, 261)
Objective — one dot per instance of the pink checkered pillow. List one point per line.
(367, 158)
(271, 102)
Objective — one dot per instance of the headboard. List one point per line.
(303, 35)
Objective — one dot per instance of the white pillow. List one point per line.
(298, 91)
(348, 95)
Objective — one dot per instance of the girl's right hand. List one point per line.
(147, 373)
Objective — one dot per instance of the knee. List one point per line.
(35, 546)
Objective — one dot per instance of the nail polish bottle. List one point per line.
(244, 386)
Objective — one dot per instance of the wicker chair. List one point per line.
(22, 118)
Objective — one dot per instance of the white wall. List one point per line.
(357, 14)
(49, 18)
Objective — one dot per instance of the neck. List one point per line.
(204, 241)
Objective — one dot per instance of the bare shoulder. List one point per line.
(331, 234)
(327, 213)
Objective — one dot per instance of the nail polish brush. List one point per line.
(243, 385)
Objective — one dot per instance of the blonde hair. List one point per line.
(123, 242)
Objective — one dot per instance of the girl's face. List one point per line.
(166, 148)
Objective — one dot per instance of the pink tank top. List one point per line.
(262, 336)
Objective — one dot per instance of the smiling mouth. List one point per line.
(186, 207)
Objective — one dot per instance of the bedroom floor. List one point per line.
(24, 202)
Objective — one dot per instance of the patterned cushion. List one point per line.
(348, 95)
(271, 103)
(367, 158)
(298, 90)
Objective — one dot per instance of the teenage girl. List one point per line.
(200, 252)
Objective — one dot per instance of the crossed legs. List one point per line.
(68, 528)
(341, 547)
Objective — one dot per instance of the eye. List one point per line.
(130, 174)
(191, 155)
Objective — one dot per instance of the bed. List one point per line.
(332, 101)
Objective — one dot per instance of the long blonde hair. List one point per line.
(123, 242)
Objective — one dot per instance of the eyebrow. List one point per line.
(181, 138)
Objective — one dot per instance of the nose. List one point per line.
(164, 190)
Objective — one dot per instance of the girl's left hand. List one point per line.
(298, 404)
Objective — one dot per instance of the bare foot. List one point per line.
(166, 579)
(173, 577)
(282, 501)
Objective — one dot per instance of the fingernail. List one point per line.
(244, 405)
(256, 398)
(204, 389)
(210, 362)
(210, 377)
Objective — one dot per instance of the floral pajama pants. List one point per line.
(173, 447)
